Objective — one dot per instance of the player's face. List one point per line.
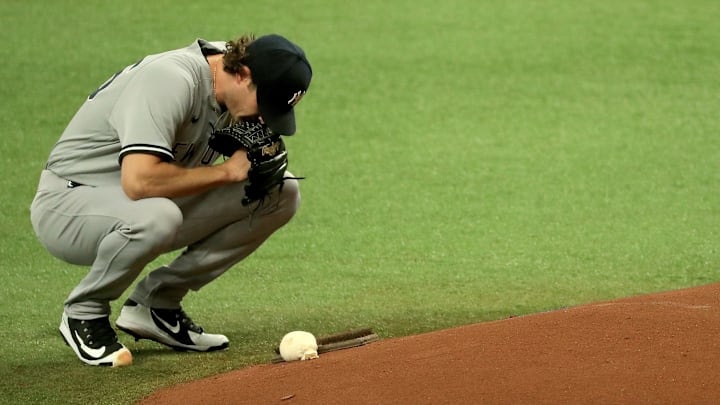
(242, 100)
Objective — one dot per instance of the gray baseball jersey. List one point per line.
(163, 105)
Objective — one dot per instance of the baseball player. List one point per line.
(132, 177)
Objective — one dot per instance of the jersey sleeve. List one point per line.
(151, 108)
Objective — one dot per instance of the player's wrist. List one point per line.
(235, 169)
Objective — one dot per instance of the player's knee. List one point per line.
(290, 196)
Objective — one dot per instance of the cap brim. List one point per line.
(282, 123)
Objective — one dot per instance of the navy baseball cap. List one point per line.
(282, 75)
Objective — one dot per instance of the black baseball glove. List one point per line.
(265, 151)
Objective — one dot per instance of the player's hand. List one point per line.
(237, 166)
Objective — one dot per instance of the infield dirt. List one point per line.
(653, 349)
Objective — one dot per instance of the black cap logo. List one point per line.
(296, 98)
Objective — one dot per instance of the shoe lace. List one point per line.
(97, 332)
(187, 322)
(181, 317)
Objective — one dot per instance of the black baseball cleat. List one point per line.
(94, 341)
(171, 327)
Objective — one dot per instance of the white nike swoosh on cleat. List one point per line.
(172, 328)
(96, 353)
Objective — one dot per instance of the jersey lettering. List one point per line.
(209, 156)
(110, 80)
(183, 151)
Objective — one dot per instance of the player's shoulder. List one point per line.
(209, 47)
(187, 62)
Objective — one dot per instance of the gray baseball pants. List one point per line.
(117, 237)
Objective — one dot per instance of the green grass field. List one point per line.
(465, 161)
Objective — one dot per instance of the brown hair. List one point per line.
(235, 52)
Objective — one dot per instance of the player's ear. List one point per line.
(243, 74)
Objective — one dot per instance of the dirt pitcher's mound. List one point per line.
(653, 349)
